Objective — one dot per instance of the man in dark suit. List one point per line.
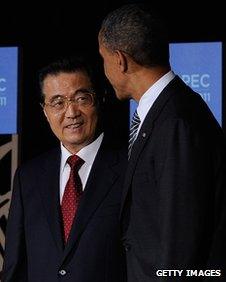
(173, 208)
(44, 242)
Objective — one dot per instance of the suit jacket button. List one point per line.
(127, 247)
(62, 272)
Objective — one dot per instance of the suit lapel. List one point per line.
(145, 132)
(49, 190)
(101, 178)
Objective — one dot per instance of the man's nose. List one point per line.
(72, 109)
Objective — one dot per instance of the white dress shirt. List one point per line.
(88, 154)
(149, 97)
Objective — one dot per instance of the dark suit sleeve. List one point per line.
(15, 259)
(188, 169)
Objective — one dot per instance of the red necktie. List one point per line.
(72, 194)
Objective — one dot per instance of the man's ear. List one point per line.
(122, 60)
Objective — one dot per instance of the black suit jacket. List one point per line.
(173, 209)
(34, 245)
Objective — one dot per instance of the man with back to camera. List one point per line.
(63, 221)
(173, 207)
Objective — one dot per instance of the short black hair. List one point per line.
(74, 64)
(139, 31)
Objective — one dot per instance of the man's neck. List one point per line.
(144, 79)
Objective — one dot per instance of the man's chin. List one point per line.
(74, 146)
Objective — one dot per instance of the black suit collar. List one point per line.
(100, 181)
(102, 176)
(146, 129)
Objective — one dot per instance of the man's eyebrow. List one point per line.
(85, 90)
(80, 90)
(55, 97)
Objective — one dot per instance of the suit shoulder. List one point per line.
(39, 161)
(113, 156)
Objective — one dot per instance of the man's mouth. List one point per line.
(74, 125)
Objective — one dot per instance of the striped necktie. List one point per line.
(133, 131)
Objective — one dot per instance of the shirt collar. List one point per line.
(87, 153)
(149, 97)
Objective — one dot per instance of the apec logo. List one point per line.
(2, 91)
(200, 83)
(200, 67)
(8, 89)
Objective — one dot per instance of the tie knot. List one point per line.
(75, 162)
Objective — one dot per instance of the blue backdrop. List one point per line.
(8, 89)
(200, 66)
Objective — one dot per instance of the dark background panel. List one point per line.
(45, 31)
